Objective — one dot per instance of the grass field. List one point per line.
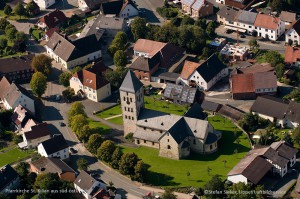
(167, 172)
(13, 156)
(151, 102)
(37, 33)
(98, 127)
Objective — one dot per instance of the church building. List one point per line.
(175, 136)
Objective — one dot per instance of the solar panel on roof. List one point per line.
(198, 4)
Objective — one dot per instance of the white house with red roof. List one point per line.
(90, 82)
(292, 56)
(292, 35)
(44, 4)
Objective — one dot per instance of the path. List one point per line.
(115, 116)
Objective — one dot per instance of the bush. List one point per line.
(129, 137)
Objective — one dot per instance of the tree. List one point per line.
(274, 58)
(139, 28)
(116, 157)
(296, 136)
(206, 53)
(127, 163)
(168, 194)
(48, 181)
(11, 33)
(20, 10)
(7, 10)
(106, 150)
(22, 169)
(120, 58)
(3, 24)
(78, 121)
(201, 23)
(94, 142)
(64, 79)
(239, 190)
(20, 36)
(279, 68)
(42, 63)
(31, 179)
(84, 133)
(186, 20)
(38, 84)
(216, 184)
(115, 77)
(276, 5)
(210, 29)
(253, 44)
(3, 43)
(68, 93)
(76, 69)
(82, 164)
(17, 138)
(76, 108)
(30, 8)
(291, 3)
(118, 43)
(140, 171)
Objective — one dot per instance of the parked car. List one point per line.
(62, 124)
(72, 150)
(243, 36)
(228, 31)
(57, 97)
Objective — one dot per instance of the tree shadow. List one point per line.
(122, 192)
(149, 15)
(74, 158)
(160, 179)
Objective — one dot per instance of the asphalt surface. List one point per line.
(148, 10)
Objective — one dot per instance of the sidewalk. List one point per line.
(108, 118)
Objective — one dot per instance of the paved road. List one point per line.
(148, 10)
(278, 46)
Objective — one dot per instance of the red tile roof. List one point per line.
(4, 85)
(93, 77)
(266, 21)
(242, 83)
(188, 68)
(38, 131)
(50, 32)
(148, 46)
(292, 54)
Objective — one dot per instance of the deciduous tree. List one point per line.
(127, 163)
(140, 171)
(7, 9)
(106, 150)
(38, 84)
(20, 10)
(3, 24)
(78, 121)
(120, 59)
(216, 184)
(42, 63)
(64, 79)
(3, 43)
(239, 190)
(11, 33)
(116, 157)
(94, 142)
(168, 194)
(68, 93)
(22, 169)
(76, 108)
(139, 28)
(82, 164)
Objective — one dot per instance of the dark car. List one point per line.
(228, 31)
(95, 175)
(62, 124)
(72, 150)
(243, 36)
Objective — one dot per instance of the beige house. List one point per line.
(175, 136)
(73, 53)
(90, 82)
(197, 8)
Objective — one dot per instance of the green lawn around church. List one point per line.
(167, 172)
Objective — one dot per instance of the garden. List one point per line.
(13, 154)
(197, 169)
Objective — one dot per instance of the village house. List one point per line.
(175, 136)
(168, 77)
(73, 53)
(278, 111)
(292, 35)
(234, 52)
(55, 147)
(11, 95)
(88, 186)
(108, 24)
(288, 18)
(241, 4)
(53, 165)
(256, 68)
(20, 117)
(51, 20)
(150, 55)
(249, 85)
(35, 135)
(204, 75)
(44, 4)
(197, 8)
(180, 94)
(227, 16)
(210, 107)
(91, 83)
(120, 8)
(9, 179)
(292, 56)
(89, 5)
(50, 32)
(17, 68)
(277, 159)
(262, 25)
